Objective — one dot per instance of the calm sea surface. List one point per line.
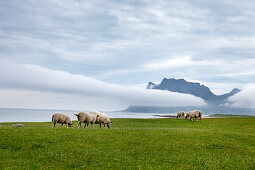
(38, 115)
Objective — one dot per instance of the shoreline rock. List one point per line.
(18, 125)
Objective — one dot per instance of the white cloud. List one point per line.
(222, 88)
(141, 40)
(219, 67)
(245, 98)
(168, 63)
(54, 83)
(12, 98)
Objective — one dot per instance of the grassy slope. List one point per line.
(132, 143)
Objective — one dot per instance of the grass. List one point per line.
(132, 144)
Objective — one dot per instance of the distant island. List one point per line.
(217, 104)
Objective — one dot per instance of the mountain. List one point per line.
(196, 89)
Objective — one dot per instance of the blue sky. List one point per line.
(126, 43)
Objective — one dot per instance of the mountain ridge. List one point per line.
(193, 88)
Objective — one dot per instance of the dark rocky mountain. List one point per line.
(196, 89)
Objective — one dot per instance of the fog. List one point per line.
(25, 85)
(245, 98)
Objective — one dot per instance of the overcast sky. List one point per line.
(80, 47)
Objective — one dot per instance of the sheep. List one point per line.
(61, 118)
(86, 118)
(18, 125)
(103, 119)
(195, 114)
(180, 115)
(187, 115)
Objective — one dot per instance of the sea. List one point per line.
(44, 115)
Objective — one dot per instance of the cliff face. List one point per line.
(196, 89)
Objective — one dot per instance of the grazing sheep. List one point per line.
(180, 115)
(61, 118)
(18, 125)
(86, 118)
(103, 119)
(195, 114)
(187, 115)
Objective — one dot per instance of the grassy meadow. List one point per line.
(213, 143)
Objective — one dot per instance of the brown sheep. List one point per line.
(86, 118)
(187, 115)
(103, 119)
(195, 114)
(180, 115)
(61, 118)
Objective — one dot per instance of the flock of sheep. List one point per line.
(95, 117)
(92, 117)
(191, 115)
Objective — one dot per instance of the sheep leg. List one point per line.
(85, 125)
(62, 125)
(92, 124)
(53, 124)
(100, 125)
(79, 124)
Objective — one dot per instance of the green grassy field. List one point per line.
(216, 143)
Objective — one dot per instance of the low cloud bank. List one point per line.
(34, 79)
(245, 98)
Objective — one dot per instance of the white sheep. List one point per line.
(86, 118)
(180, 115)
(61, 118)
(195, 114)
(103, 119)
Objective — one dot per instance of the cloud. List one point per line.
(12, 98)
(168, 63)
(207, 41)
(36, 79)
(193, 68)
(245, 98)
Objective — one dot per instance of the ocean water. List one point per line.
(41, 115)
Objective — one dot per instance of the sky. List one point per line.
(101, 54)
